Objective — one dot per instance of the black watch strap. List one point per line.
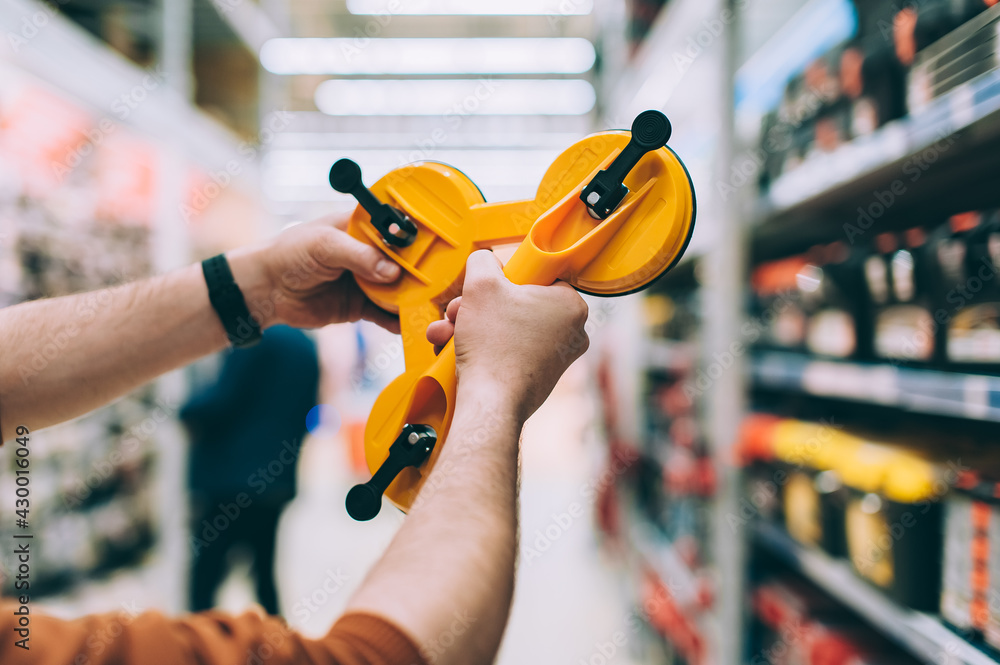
(227, 300)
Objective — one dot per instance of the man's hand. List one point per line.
(516, 339)
(304, 277)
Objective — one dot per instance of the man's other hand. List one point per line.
(305, 277)
(516, 339)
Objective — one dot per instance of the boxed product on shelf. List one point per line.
(970, 592)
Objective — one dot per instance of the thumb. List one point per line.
(483, 269)
(339, 251)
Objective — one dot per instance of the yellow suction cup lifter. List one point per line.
(614, 212)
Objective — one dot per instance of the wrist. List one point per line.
(489, 392)
(251, 275)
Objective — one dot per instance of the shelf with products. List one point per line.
(924, 635)
(908, 320)
(973, 396)
(900, 523)
(870, 133)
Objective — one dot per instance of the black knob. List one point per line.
(410, 448)
(650, 131)
(396, 228)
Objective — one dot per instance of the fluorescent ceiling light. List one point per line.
(474, 7)
(301, 175)
(454, 98)
(460, 55)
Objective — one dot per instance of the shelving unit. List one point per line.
(943, 153)
(921, 634)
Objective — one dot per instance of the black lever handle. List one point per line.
(396, 228)
(410, 448)
(650, 131)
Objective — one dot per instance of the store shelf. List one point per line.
(972, 396)
(945, 148)
(921, 634)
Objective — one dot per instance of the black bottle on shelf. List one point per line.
(838, 320)
(901, 277)
(873, 83)
(972, 301)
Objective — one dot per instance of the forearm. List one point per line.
(447, 578)
(63, 357)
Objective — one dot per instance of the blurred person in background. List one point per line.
(442, 591)
(246, 430)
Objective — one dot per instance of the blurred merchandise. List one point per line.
(972, 534)
(801, 626)
(900, 58)
(887, 519)
(901, 278)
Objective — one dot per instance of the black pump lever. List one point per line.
(650, 131)
(410, 448)
(396, 228)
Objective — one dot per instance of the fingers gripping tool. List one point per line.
(612, 213)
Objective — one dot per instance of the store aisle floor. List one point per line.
(567, 600)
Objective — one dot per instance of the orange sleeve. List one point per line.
(208, 638)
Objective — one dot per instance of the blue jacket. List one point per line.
(247, 427)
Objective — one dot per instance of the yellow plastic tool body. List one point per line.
(559, 240)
